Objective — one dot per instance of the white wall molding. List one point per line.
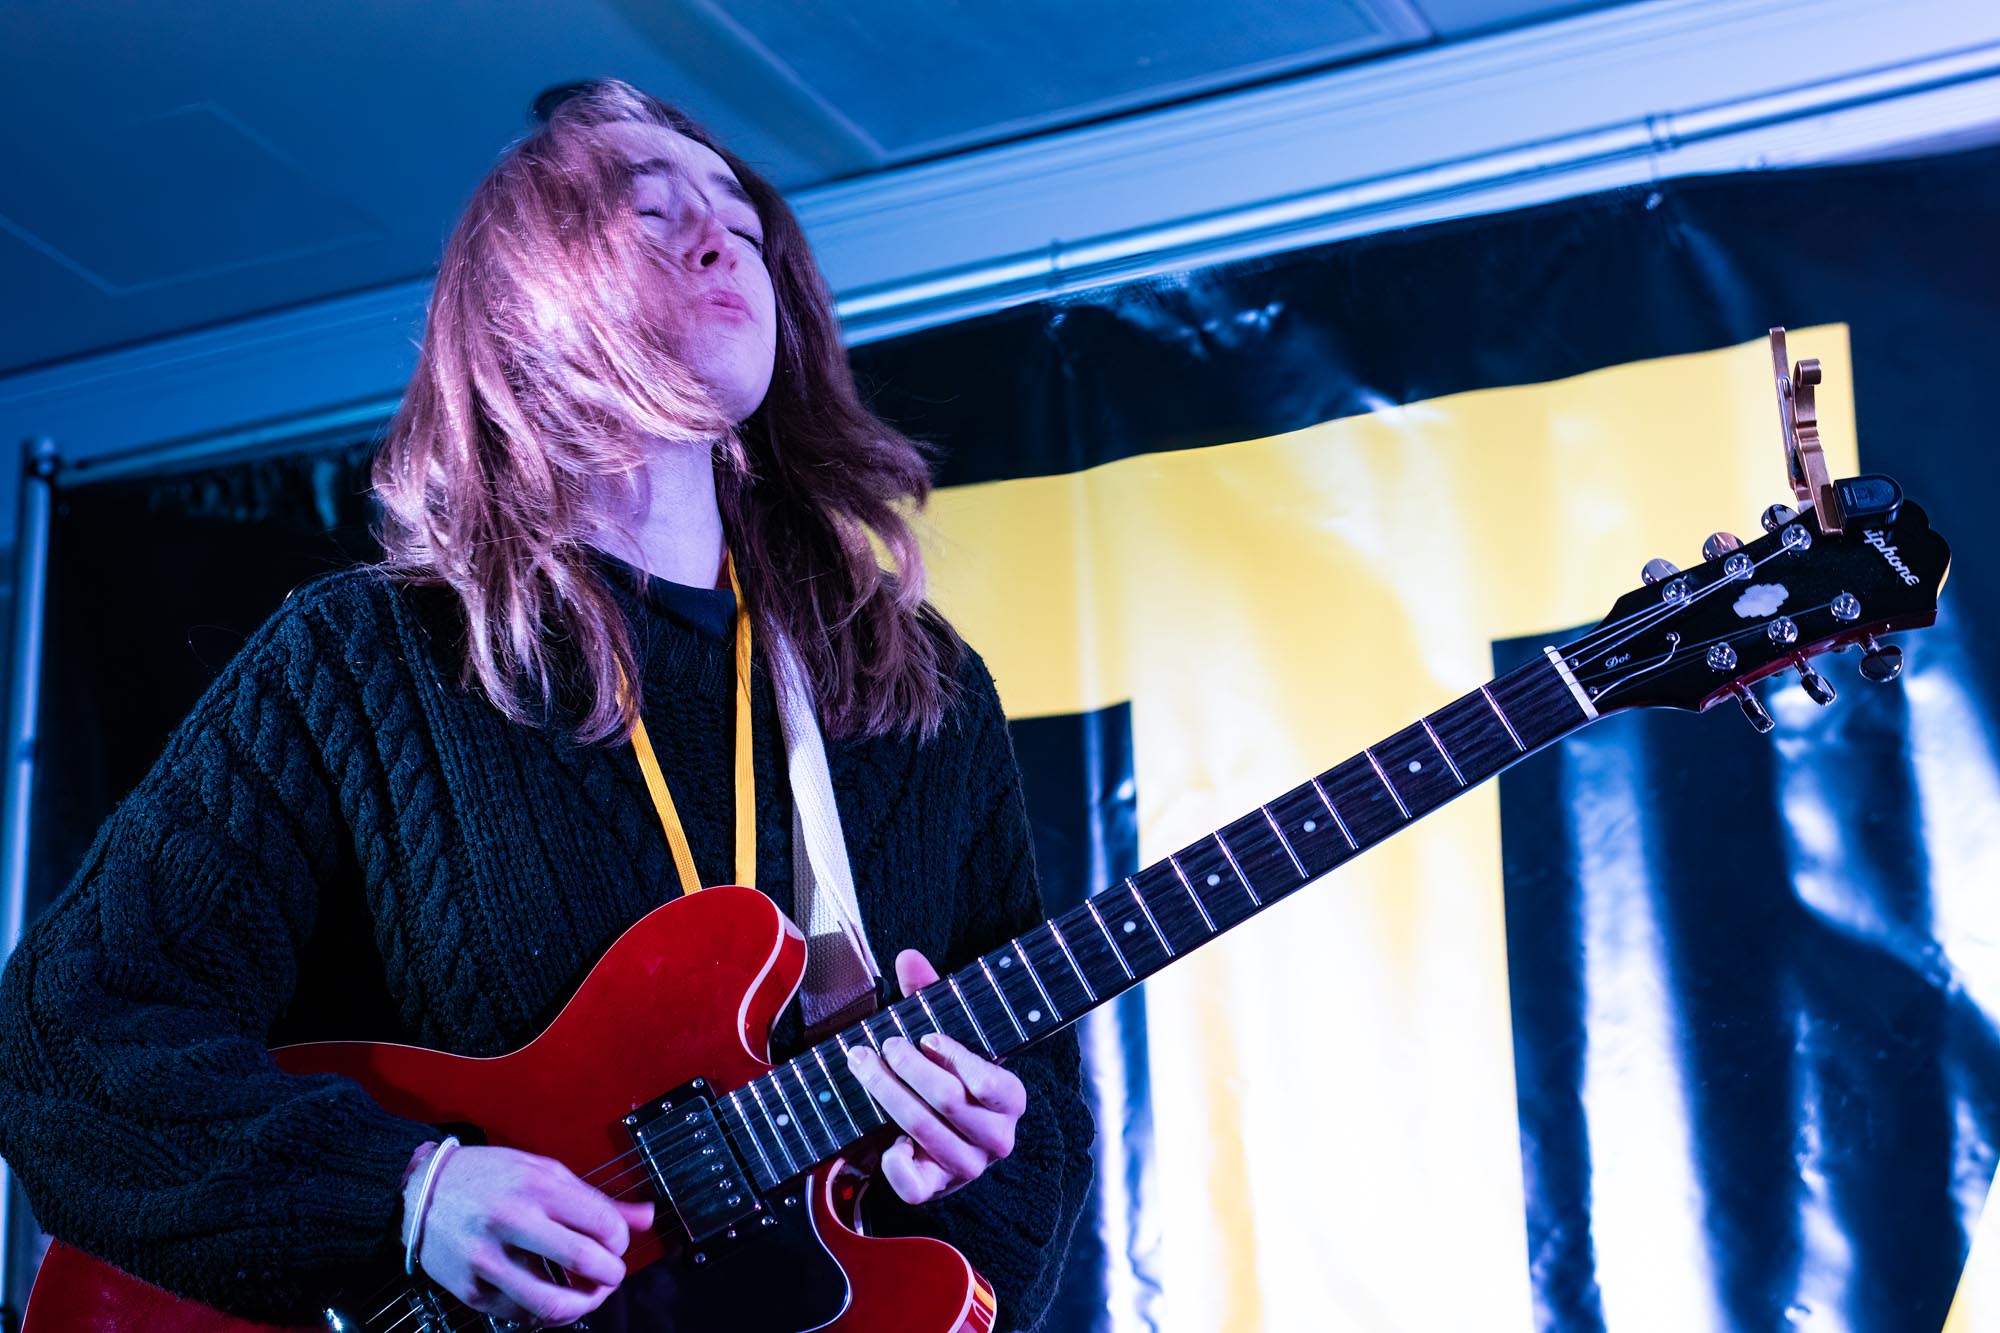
(1614, 97)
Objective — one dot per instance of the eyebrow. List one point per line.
(729, 185)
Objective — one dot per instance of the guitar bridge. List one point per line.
(693, 1163)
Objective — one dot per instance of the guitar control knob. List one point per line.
(1753, 709)
(1817, 687)
(1881, 662)
(1658, 571)
(1777, 516)
(1719, 544)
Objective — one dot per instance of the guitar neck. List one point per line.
(812, 1108)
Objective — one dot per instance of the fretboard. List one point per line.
(812, 1108)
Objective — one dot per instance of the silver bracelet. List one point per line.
(423, 1202)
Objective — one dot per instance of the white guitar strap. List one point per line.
(841, 972)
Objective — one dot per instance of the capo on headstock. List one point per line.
(1798, 420)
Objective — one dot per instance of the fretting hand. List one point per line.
(958, 1110)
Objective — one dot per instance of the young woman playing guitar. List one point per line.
(427, 795)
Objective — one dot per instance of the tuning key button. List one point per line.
(1846, 607)
(1722, 657)
(1817, 688)
(1882, 662)
(1719, 544)
(1753, 709)
(1777, 516)
(1658, 571)
(1783, 630)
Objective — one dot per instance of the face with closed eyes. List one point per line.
(709, 296)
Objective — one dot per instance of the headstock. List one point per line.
(1690, 639)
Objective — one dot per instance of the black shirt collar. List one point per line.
(709, 612)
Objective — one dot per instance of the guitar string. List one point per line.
(1748, 631)
(1667, 610)
(1653, 614)
(628, 1186)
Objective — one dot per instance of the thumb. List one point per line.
(913, 972)
(638, 1216)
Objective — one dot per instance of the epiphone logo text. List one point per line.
(1880, 541)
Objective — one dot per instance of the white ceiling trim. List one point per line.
(1613, 97)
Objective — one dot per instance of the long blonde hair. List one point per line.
(538, 380)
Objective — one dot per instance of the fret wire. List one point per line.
(1394, 795)
(791, 1111)
(929, 1013)
(1199, 906)
(1116, 952)
(1055, 1014)
(1088, 989)
(1285, 843)
(1338, 822)
(1495, 706)
(751, 1134)
(1438, 745)
(1241, 878)
(863, 1025)
(953, 979)
(1140, 899)
(897, 1019)
(845, 1049)
(839, 1098)
(1003, 1000)
(813, 1102)
(756, 1097)
(878, 1038)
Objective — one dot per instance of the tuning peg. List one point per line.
(1817, 687)
(1881, 662)
(1753, 709)
(1658, 571)
(1777, 516)
(1719, 544)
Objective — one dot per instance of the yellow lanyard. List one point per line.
(746, 777)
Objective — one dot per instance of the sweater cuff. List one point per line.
(347, 1222)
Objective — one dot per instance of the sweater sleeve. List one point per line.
(1014, 1222)
(138, 1105)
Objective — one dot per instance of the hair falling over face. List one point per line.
(539, 383)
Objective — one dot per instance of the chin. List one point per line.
(744, 404)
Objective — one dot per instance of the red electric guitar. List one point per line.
(751, 1163)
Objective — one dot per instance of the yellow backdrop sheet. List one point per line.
(1332, 1085)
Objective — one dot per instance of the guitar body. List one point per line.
(714, 969)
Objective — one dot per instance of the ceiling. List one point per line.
(194, 163)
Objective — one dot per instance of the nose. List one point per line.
(706, 244)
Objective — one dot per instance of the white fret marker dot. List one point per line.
(1034, 1015)
(1006, 962)
(1310, 825)
(1131, 926)
(784, 1120)
(1214, 880)
(1416, 765)
(826, 1096)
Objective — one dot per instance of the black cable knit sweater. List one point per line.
(340, 841)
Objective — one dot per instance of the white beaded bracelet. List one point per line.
(423, 1202)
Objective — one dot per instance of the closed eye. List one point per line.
(751, 237)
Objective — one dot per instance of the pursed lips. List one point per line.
(729, 301)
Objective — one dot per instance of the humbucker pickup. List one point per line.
(693, 1163)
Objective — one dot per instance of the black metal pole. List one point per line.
(31, 562)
